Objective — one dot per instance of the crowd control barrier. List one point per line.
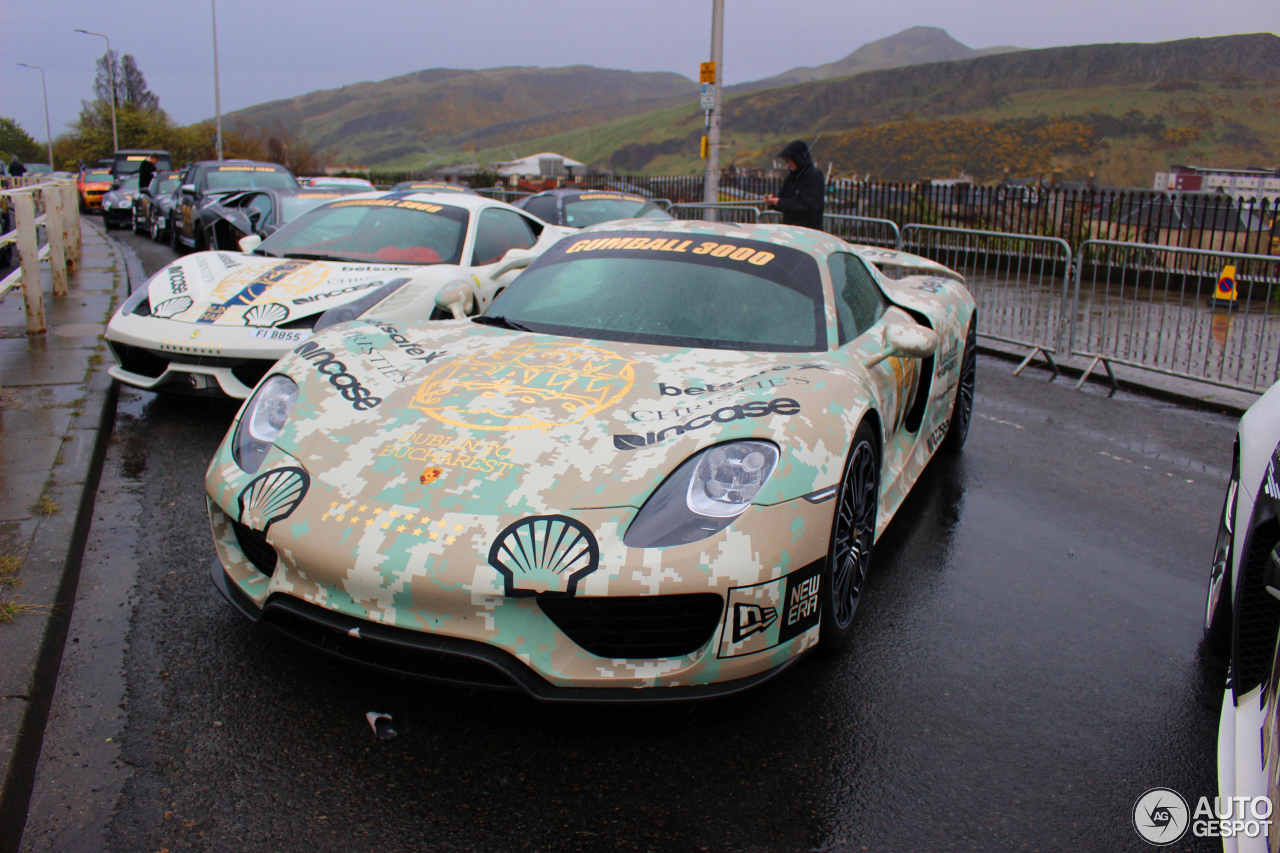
(1154, 307)
(1021, 282)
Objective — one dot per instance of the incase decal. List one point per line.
(728, 414)
(336, 371)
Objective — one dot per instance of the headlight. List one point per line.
(262, 421)
(704, 495)
(352, 310)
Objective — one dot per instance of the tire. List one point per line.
(853, 531)
(1217, 606)
(138, 227)
(962, 412)
(155, 228)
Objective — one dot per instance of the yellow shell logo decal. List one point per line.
(526, 386)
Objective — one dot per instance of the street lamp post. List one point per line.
(217, 95)
(111, 67)
(48, 135)
(711, 181)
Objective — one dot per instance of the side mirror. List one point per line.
(515, 259)
(912, 341)
(456, 298)
(188, 189)
(248, 244)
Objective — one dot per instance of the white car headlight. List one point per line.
(263, 420)
(704, 495)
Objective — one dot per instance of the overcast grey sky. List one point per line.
(270, 50)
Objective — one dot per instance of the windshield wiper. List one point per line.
(306, 256)
(500, 322)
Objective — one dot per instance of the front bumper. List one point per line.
(156, 354)
(442, 659)
(703, 619)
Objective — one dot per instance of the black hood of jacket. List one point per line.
(799, 152)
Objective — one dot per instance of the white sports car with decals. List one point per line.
(660, 459)
(1242, 620)
(215, 322)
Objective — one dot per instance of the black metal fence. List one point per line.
(1216, 222)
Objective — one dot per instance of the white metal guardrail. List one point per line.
(1021, 282)
(863, 229)
(36, 207)
(1153, 307)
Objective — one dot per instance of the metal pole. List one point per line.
(111, 67)
(711, 182)
(48, 135)
(217, 94)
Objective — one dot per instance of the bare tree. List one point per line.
(131, 85)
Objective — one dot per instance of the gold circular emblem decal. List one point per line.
(430, 476)
(525, 386)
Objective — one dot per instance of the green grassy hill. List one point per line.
(914, 46)
(405, 118)
(1120, 111)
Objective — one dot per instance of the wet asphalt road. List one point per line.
(1026, 664)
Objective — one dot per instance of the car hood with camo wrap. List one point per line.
(430, 475)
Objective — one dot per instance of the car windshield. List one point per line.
(293, 206)
(377, 230)
(594, 208)
(129, 184)
(248, 177)
(167, 185)
(97, 176)
(704, 291)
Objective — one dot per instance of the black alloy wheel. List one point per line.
(853, 533)
(1217, 606)
(962, 413)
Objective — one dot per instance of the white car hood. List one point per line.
(232, 289)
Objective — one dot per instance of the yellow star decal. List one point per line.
(451, 539)
(425, 520)
(435, 536)
(417, 531)
(440, 523)
(341, 517)
(458, 527)
(333, 505)
(385, 525)
(355, 519)
(394, 513)
(363, 508)
(399, 528)
(369, 523)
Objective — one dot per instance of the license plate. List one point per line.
(279, 334)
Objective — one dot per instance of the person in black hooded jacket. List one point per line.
(802, 195)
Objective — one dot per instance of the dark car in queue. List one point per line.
(577, 208)
(153, 204)
(228, 218)
(206, 181)
(127, 161)
(117, 202)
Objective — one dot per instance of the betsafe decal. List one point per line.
(725, 415)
